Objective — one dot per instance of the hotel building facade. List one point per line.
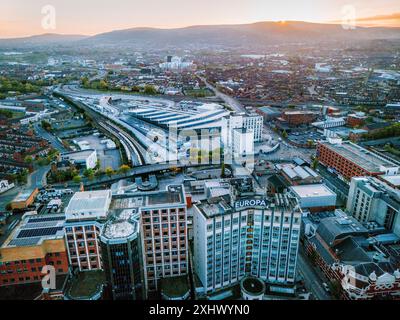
(246, 236)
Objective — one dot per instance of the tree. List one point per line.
(150, 90)
(77, 179)
(28, 159)
(315, 163)
(223, 170)
(46, 125)
(88, 172)
(124, 169)
(284, 134)
(109, 171)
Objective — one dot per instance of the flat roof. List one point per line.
(394, 180)
(173, 196)
(364, 158)
(34, 229)
(312, 190)
(86, 284)
(89, 203)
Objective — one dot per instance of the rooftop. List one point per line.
(175, 287)
(87, 284)
(90, 204)
(34, 229)
(174, 195)
(368, 160)
(312, 190)
(122, 225)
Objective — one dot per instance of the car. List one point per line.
(326, 287)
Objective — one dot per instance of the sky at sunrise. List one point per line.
(20, 18)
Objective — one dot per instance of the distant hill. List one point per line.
(244, 35)
(262, 33)
(44, 39)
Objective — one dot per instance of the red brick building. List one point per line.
(37, 242)
(351, 160)
(297, 118)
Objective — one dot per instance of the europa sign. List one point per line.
(251, 203)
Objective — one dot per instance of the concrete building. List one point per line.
(315, 197)
(246, 235)
(85, 158)
(122, 256)
(163, 232)
(38, 241)
(243, 144)
(372, 200)
(351, 160)
(85, 216)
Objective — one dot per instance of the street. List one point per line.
(48, 136)
(312, 280)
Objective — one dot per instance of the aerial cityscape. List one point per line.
(169, 151)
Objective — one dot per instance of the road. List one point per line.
(48, 136)
(313, 281)
(36, 179)
(232, 102)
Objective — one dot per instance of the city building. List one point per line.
(298, 175)
(269, 114)
(36, 242)
(243, 144)
(315, 197)
(329, 122)
(357, 119)
(372, 200)
(122, 256)
(163, 232)
(246, 234)
(254, 123)
(86, 158)
(85, 217)
(360, 270)
(298, 118)
(5, 186)
(351, 160)
(24, 199)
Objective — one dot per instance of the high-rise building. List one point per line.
(85, 216)
(243, 235)
(372, 200)
(121, 255)
(163, 232)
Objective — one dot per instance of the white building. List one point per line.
(86, 158)
(248, 236)
(85, 215)
(252, 123)
(243, 143)
(5, 186)
(330, 123)
(314, 196)
(372, 200)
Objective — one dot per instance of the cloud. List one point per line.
(387, 17)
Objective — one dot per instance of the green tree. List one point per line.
(315, 163)
(284, 134)
(150, 90)
(109, 171)
(124, 169)
(77, 179)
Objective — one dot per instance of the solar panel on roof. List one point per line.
(34, 220)
(28, 233)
